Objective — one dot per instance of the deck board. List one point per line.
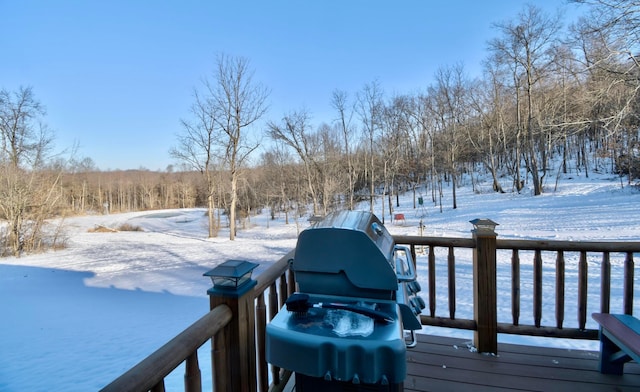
(446, 364)
(442, 364)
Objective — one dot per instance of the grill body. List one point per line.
(350, 259)
(310, 344)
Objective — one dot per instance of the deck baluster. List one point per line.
(537, 288)
(414, 256)
(283, 291)
(273, 310)
(192, 376)
(291, 279)
(273, 301)
(560, 268)
(582, 290)
(219, 363)
(432, 281)
(628, 283)
(605, 283)
(451, 272)
(515, 286)
(159, 387)
(261, 323)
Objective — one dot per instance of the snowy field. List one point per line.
(74, 319)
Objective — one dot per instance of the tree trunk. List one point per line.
(232, 209)
(453, 189)
(210, 215)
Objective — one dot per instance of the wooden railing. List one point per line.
(485, 247)
(231, 325)
(237, 326)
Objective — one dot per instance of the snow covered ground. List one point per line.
(74, 319)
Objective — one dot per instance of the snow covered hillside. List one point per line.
(74, 319)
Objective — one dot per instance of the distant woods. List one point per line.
(29, 190)
(552, 101)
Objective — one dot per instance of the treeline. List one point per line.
(552, 100)
(548, 94)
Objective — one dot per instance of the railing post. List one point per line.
(628, 284)
(239, 371)
(485, 337)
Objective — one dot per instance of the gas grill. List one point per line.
(344, 330)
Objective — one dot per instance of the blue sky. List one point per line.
(117, 76)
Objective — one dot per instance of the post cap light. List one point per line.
(232, 276)
(484, 226)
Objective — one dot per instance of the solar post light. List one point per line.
(231, 278)
(484, 226)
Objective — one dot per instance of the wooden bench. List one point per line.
(619, 341)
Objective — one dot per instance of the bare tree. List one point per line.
(28, 193)
(25, 140)
(222, 114)
(618, 23)
(451, 113)
(610, 38)
(339, 102)
(369, 107)
(278, 174)
(488, 102)
(418, 154)
(295, 132)
(198, 148)
(239, 103)
(330, 171)
(423, 136)
(525, 46)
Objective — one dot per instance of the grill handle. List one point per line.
(404, 269)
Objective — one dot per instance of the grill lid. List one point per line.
(348, 253)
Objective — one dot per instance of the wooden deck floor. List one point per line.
(446, 364)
